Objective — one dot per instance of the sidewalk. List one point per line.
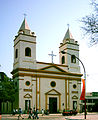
(90, 116)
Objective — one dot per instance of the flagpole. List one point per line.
(63, 52)
(85, 108)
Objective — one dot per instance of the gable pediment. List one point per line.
(53, 68)
(53, 92)
(74, 97)
(27, 96)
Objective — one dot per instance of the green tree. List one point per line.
(7, 90)
(90, 24)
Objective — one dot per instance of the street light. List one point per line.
(63, 52)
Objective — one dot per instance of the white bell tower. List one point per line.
(71, 49)
(24, 47)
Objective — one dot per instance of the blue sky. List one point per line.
(48, 19)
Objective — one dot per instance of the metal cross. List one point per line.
(25, 15)
(68, 25)
(52, 55)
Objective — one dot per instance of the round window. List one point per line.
(74, 86)
(53, 83)
(27, 83)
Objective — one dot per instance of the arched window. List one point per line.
(73, 59)
(16, 53)
(28, 52)
(63, 59)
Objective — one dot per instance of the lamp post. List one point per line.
(63, 52)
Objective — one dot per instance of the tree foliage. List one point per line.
(91, 24)
(7, 90)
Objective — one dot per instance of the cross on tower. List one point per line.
(25, 15)
(68, 25)
(52, 55)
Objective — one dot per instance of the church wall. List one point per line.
(16, 60)
(27, 92)
(60, 87)
(74, 93)
(41, 65)
(41, 86)
(16, 103)
(73, 49)
(27, 62)
(21, 94)
(21, 43)
(23, 37)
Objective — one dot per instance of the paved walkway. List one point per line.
(90, 116)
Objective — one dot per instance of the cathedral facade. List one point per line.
(42, 85)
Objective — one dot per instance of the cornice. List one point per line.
(24, 35)
(45, 71)
(24, 41)
(69, 43)
(70, 49)
(52, 64)
(47, 76)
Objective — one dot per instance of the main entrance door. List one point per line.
(52, 104)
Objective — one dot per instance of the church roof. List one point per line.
(68, 35)
(24, 25)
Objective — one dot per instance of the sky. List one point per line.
(48, 19)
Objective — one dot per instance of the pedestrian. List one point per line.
(20, 114)
(30, 113)
(63, 110)
(0, 116)
(34, 113)
(14, 112)
(42, 112)
(37, 114)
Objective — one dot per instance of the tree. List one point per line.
(7, 90)
(90, 24)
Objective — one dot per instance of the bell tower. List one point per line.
(69, 48)
(24, 47)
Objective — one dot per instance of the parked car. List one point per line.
(69, 112)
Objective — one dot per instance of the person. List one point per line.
(20, 114)
(34, 113)
(36, 116)
(42, 112)
(30, 113)
(0, 116)
(63, 110)
(14, 112)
